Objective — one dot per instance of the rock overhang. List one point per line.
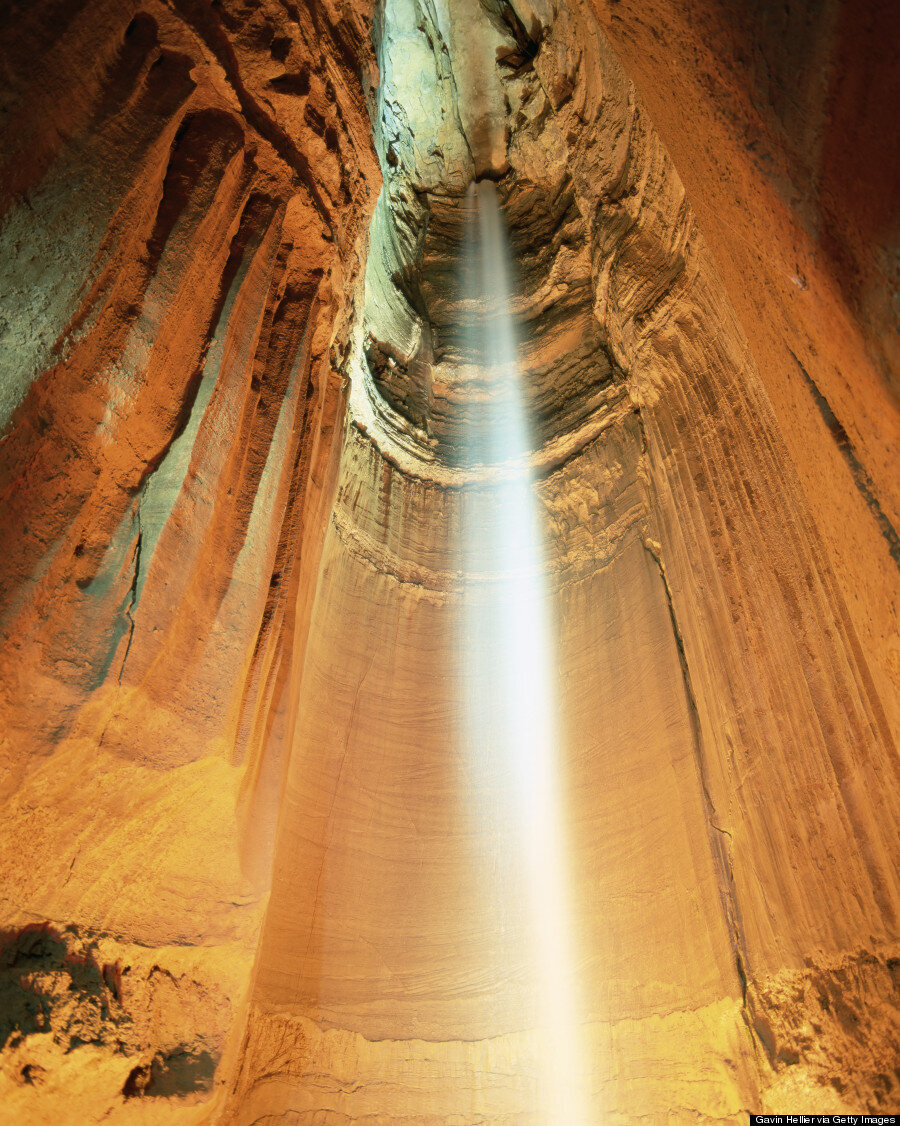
(416, 348)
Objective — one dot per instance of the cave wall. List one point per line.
(714, 449)
(725, 733)
(774, 118)
(187, 191)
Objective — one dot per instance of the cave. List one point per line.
(449, 585)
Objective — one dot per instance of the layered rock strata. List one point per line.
(186, 192)
(779, 164)
(723, 735)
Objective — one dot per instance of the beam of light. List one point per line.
(513, 745)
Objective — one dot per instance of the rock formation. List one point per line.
(242, 880)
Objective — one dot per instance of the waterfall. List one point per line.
(513, 745)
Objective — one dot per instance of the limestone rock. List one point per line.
(245, 879)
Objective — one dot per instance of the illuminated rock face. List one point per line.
(186, 203)
(232, 593)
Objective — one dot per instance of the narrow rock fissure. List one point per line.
(721, 851)
(860, 475)
(133, 589)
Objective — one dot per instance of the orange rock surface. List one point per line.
(243, 880)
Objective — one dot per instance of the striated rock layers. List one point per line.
(233, 502)
(186, 198)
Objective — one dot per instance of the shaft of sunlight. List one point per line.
(512, 722)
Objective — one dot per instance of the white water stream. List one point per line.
(513, 746)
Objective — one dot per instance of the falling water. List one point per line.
(509, 655)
